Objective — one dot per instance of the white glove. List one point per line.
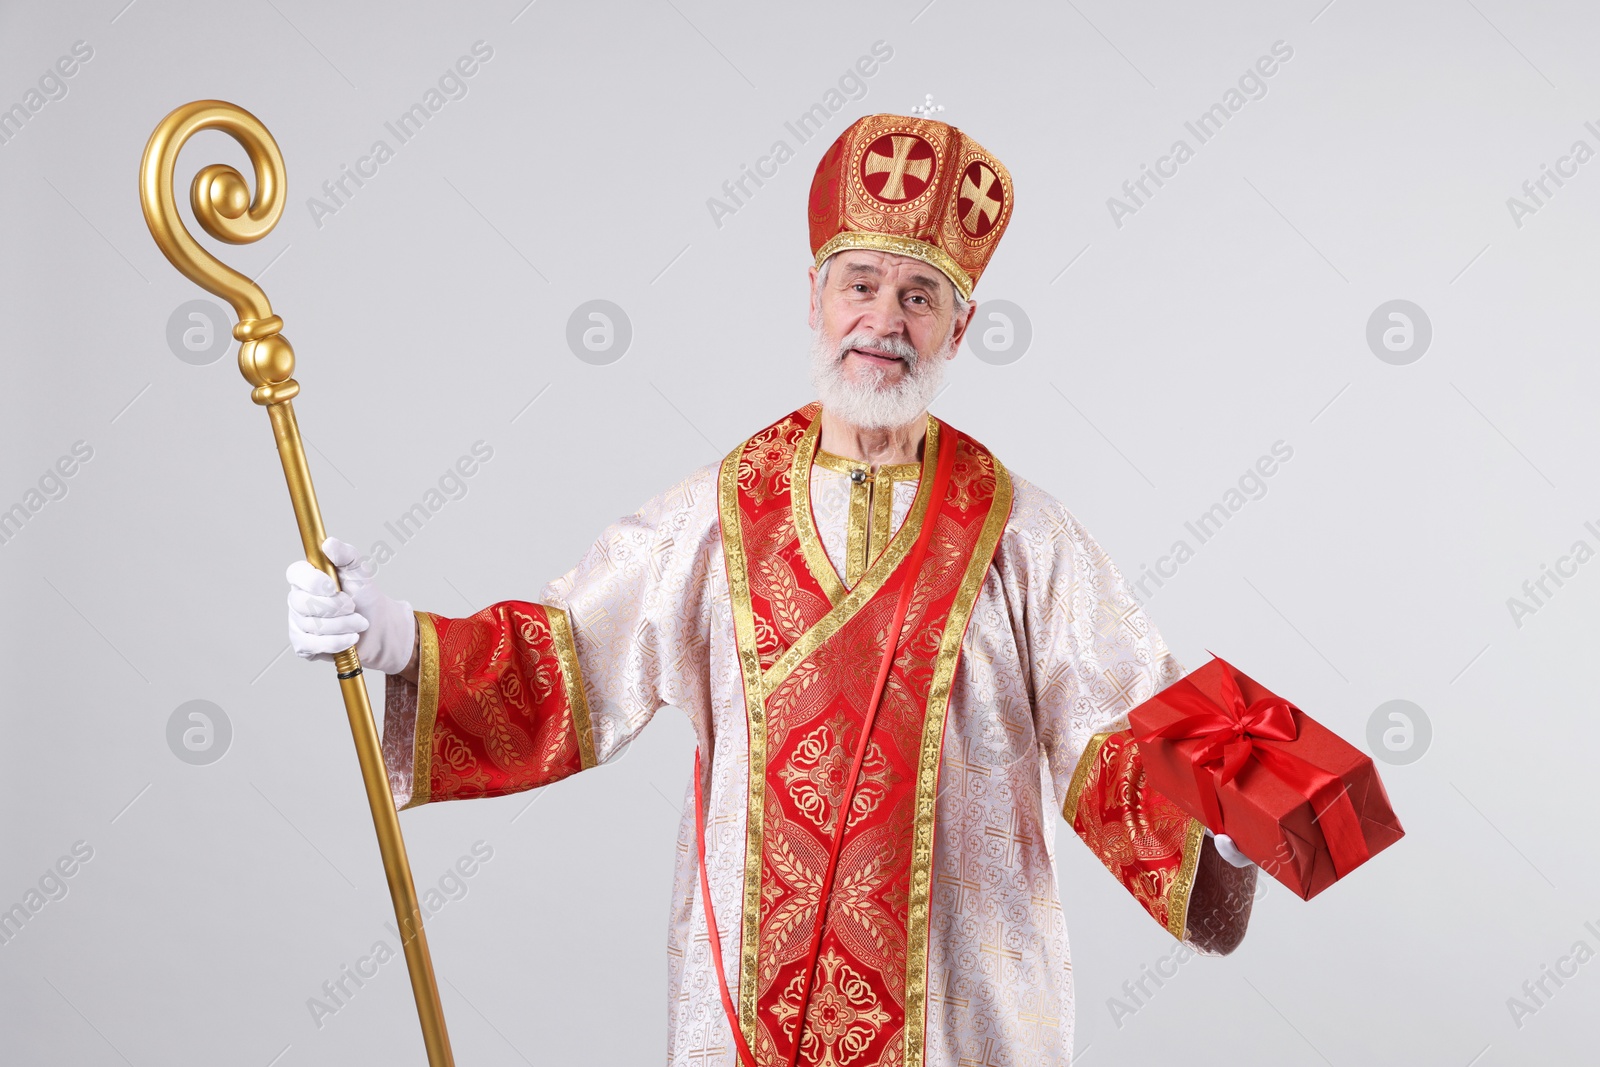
(324, 620)
(1229, 851)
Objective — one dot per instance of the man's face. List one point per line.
(886, 302)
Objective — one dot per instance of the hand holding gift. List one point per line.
(1301, 802)
(1229, 851)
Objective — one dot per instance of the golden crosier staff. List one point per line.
(222, 204)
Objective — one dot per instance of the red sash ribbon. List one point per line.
(1238, 732)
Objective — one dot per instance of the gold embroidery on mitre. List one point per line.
(900, 246)
(914, 187)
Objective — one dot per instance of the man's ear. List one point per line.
(813, 312)
(959, 328)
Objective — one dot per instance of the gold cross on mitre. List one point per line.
(927, 108)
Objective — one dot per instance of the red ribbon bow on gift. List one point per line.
(1234, 728)
(1239, 731)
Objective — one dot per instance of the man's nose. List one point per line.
(884, 316)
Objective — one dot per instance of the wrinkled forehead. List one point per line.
(888, 268)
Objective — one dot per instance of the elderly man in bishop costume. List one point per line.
(898, 658)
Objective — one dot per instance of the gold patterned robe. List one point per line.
(1056, 653)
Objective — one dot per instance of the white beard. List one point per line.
(873, 402)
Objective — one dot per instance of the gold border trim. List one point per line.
(955, 629)
(427, 711)
(1178, 893)
(837, 463)
(1080, 775)
(572, 682)
(899, 472)
(855, 533)
(880, 526)
(868, 521)
(805, 526)
(744, 630)
(872, 580)
(900, 246)
(1183, 882)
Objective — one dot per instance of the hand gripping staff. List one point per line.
(224, 209)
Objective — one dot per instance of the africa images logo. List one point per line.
(1251, 85)
(451, 85)
(850, 85)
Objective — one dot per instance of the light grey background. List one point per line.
(1229, 312)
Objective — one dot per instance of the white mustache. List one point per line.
(895, 346)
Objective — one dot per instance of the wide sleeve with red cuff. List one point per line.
(1094, 656)
(499, 703)
(1147, 842)
(523, 693)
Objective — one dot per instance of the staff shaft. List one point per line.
(225, 208)
(369, 752)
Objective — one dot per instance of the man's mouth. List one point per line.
(876, 356)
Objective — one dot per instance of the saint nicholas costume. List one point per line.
(897, 677)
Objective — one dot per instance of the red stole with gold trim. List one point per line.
(810, 666)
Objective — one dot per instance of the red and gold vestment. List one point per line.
(758, 597)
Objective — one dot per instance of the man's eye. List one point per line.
(859, 287)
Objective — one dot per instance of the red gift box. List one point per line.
(1303, 803)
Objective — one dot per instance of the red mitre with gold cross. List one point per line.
(915, 187)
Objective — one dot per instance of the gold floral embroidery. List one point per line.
(843, 1018)
(766, 474)
(815, 775)
(971, 479)
(1134, 831)
(802, 744)
(791, 607)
